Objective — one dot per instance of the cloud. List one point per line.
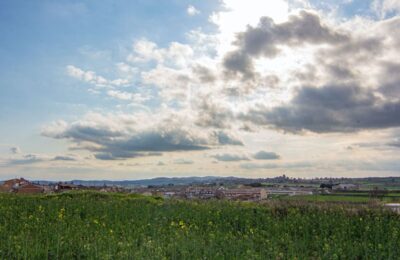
(26, 159)
(160, 163)
(213, 112)
(230, 157)
(173, 84)
(223, 138)
(176, 55)
(348, 86)
(92, 78)
(266, 39)
(263, 155)
(127, 96)
(204, 74)
(303, 72)
(330, 109)
(191, 10)
(183, 161)
(394, 143)
(87, 76)
(384, 8)
(15, 150)
(125, 136)
(64, 158)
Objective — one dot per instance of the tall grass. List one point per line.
(113, 226)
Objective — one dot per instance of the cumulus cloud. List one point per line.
(213, 113)
(383, 8)
(266, 39)
(173, 84)
(330, 109)
(176, 55)
(263, 155)
(302, 72)
(126, 136)
(349, 86)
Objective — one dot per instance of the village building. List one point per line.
(9, 185)
(395, 207)
(245, 194)
(201, 193)
(221, 193)
(29, 189)
(60, 187)
(20, 185)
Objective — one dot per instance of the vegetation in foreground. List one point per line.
(115, 226)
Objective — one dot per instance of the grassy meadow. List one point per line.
(117, 226)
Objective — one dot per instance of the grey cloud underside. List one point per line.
(265, 40)
(263, 155)
(15, 150)
(394, 143)
(204, 74)
(330, 109)
(342, 103)
(230, 157)
(64, 158)
(391, 85)
(212, 114)
(27, 159)
(114, 145)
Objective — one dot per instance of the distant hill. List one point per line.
(147, 182)
(155, 181)
(393, 182)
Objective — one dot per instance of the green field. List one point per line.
(116, 226)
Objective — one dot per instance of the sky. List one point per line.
(139, 89)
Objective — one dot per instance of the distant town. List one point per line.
(230, 188)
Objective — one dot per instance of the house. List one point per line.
(60, 187)
(344, 186)
(220, 193)
(21, 186)
(201, 193)
(10, 185)
(29, 189)
(395, 207)
(245, 194)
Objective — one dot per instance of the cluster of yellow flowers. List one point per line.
(61, 214)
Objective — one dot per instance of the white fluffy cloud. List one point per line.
(191, 10)
(92, 77)
(385, 7)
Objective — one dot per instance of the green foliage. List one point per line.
(116, 226)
